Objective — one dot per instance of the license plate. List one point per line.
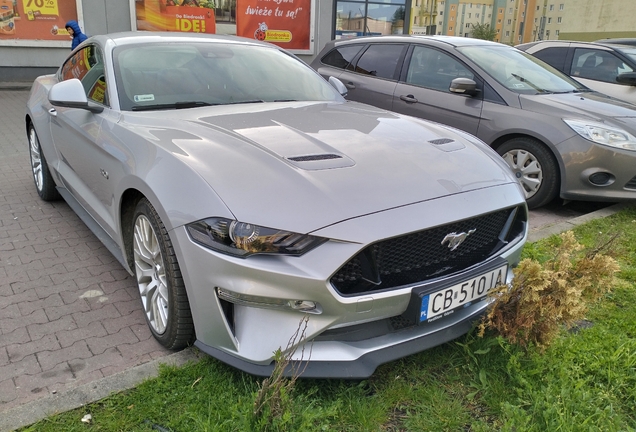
(444, 302)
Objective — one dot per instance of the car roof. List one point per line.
(454, 41)
(611, 45)
(136, 37)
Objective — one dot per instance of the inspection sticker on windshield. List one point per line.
(444, 302)
(144, 98)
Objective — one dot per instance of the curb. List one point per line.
(16, 85)
(40, 409)
(558, 228)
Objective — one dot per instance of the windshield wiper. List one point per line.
(175, 105)
(524, 80)
(245, 102)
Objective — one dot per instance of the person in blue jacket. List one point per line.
(75, 31)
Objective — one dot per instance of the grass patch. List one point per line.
(584, 380)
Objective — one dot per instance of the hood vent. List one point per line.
(441, 141)
(312, 158)
(447, 144)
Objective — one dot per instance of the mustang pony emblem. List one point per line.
(454, 239)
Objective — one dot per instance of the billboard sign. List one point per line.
(286, 23)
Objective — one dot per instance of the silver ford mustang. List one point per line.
(245, 195)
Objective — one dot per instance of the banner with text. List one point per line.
(36, 19)
(174, 15)
(286, 23)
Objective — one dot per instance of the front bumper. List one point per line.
(346, 339)
(583, 159)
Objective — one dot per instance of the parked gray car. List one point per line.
(559, 137)
(245, 196)
(606, 67)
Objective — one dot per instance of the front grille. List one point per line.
(420, 256)
(631, 184)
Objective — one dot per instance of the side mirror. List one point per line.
(627, 78)
(338, 85)
(70, 94)
(464, 86)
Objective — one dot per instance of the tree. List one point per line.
(483, 31)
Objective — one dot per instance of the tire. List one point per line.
(161, 287)
(44, 183)
(535, 167)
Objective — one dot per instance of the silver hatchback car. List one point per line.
(559, 137)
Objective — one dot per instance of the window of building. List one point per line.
(549, 20)
(507, 33)
(440, 23)
(538, 7)
(559, 20)
(499, 21)
(415, 20)
(510, 10)
(469, 15)
(452, 18)
(557, 33)
(551, 7)
(450, 29)
(561, 6)
(509, 21)
(452, 8)
(441, 13)
(467, 25)
(523, 14)
(519, 38)
(366, 17)
(476, 15)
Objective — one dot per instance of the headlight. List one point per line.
(244, 239)
(603, 134)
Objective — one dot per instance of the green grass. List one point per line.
(585, 381)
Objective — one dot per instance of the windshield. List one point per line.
(187, 75)
(520, 72)
(631, 53)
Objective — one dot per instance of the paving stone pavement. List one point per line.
(69, 313)
(71, 325)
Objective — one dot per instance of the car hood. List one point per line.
(588, 105)
(304, 166)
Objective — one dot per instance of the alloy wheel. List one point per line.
(151, 274)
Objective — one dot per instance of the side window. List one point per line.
(87, 65)
(554, 56)
(597, 65)
(434, 69)
(380, 60)
(341, 57)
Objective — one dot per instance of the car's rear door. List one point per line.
(423, 89)
(373, 76)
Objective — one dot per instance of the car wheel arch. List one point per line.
(541, 149)
(555, 154)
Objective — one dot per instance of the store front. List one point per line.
(33, 40)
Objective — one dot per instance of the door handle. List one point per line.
(408, 98)
(350, 85)
(53, 112)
